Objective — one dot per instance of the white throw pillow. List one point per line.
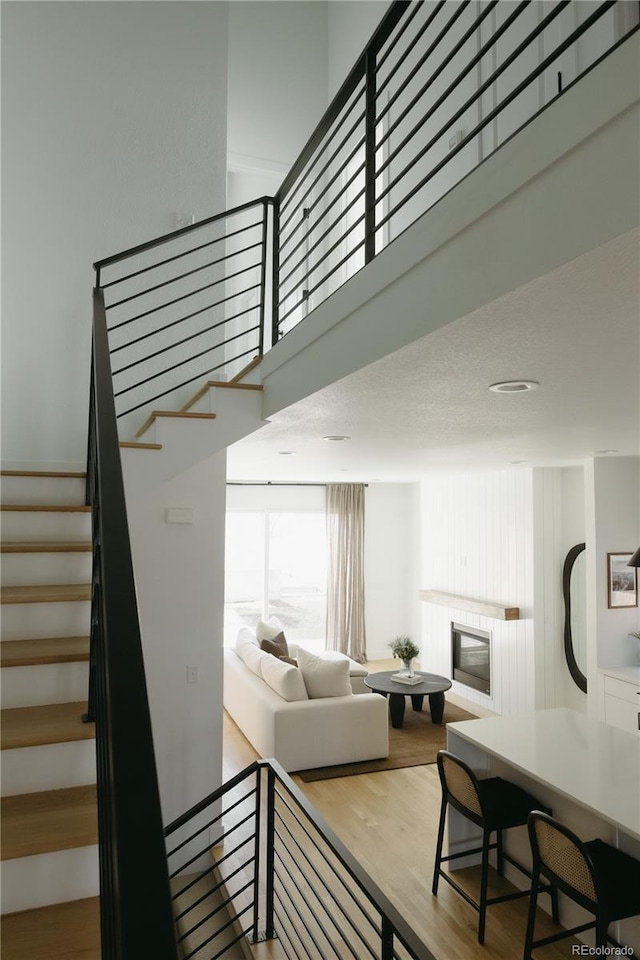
(245, 636)
(268, 631)
(323, 678)
(285, 679)
(253, 657)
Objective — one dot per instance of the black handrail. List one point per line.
(360, 914)
(132, 853)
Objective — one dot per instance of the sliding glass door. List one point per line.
(276, 566)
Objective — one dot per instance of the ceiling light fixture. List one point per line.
(286, 453)
(602, 452)
(514, 386)
(336, 438)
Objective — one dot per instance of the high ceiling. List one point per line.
(428, 407)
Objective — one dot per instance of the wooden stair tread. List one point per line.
(61, 931)
(43, 473)
(46, 593)
(34, 823)
(46, 508)
(132, 445)
(26, 653)
(46, 546)
(179, 414)
(229, 385)
(50, 723)
(246, 369)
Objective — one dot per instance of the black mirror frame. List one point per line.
(578, 676)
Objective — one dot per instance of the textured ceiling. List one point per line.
(427, 406)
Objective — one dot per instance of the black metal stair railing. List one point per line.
(280, 872)
(438, 89)
(186, 305)
(135, 904)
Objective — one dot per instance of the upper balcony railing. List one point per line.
(440, 86)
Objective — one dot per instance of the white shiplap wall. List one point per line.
(477, 541)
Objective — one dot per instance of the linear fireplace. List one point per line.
(471, 657)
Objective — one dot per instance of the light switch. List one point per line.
(179, 514)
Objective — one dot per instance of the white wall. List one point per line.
(277, 79)
(351, 23)
(179, 577)
(613, 509)
(559, 524)
(391, 568)
(113, 123)
(477, 542)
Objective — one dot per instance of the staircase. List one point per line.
(49, 848)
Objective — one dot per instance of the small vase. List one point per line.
(408, 668)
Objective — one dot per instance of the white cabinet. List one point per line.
(622, 699)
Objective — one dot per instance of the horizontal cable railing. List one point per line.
(135, 902)
(276, 870)
(439, 88)
(185, 306)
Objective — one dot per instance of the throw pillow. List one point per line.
(253, 657)
(324, 678)
(244, 636)
(268, 631)
(278, 646)
(283, 679)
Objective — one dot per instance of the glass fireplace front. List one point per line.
(471, 657)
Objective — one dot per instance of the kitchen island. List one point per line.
(586, 770)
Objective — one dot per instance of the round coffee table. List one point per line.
(431, 685)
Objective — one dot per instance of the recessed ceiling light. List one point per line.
(514, 386)
(336, 438)
(286, 453)
(344, 469)
(605, 451)
(518, 461)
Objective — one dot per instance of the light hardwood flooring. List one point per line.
(389, 821)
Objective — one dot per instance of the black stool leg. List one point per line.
(499, 853)
(484, 881)
(601, 929)
(531, 919)
(436, 868)
(555, 909)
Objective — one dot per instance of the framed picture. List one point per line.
(622, 581)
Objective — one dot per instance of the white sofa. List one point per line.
(303, 734)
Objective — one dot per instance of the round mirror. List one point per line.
(575, 633)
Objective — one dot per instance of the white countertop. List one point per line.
(591, 763)
(630, 674)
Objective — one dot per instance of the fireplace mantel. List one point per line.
(485, 608)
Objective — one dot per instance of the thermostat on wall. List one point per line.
(179, 514)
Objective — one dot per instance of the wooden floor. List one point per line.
(389, 821)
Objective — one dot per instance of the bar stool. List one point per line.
(493, 805)
(599, 877)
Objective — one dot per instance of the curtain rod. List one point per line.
(278, 483)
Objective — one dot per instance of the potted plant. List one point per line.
(406, 650)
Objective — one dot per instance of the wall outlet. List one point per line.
(192, 675)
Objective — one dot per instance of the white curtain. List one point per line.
(345, 579)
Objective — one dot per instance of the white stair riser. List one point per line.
(44, 683)
(45, 525)
(48, 767)
(186, 442)
(37, 881)
(30, 569)
(62, 490)
(28, 621)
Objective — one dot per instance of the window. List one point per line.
(276, 566)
